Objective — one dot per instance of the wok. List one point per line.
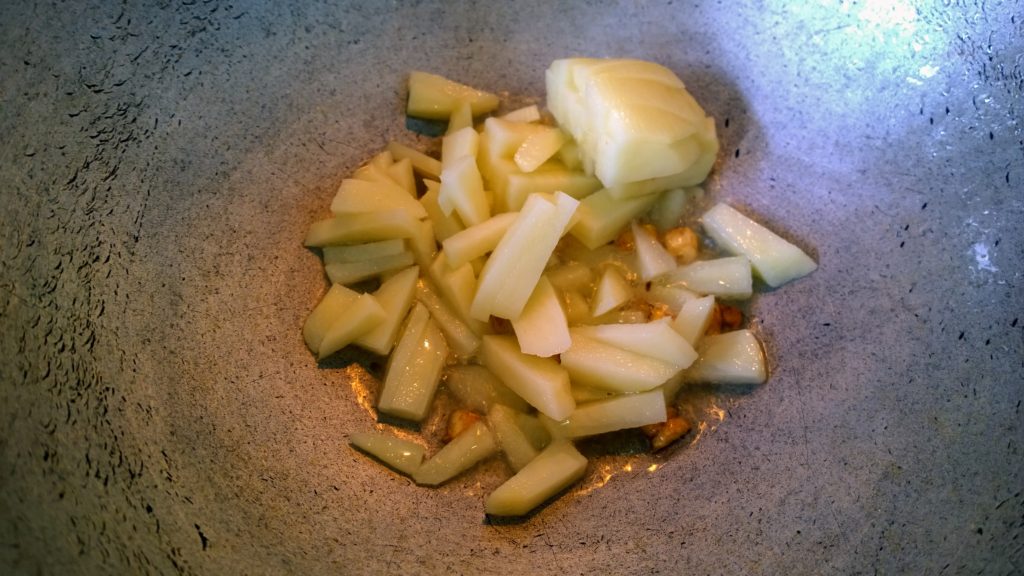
(161, 162)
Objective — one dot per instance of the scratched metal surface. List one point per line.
(158, 412)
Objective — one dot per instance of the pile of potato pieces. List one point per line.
(552, 308)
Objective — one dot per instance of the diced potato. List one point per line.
(462, 339)
(518, 449)
(571, 276)
(511, 273)
(651, 186)
(445, 225)
(693, 318)
(656, 339)
(360, 317)
(456, 286)
(652, 258)
(462, 189)
(421, 163)
(477, 240)
(540, 381)
(401, 455)
(774, 259)
(542, 329)
(459, 144)
(414, 368)
(423, 244)
(616, 413)
(474, 445)
(534, 430)
(520, 185)
(360, 196)
(361, 252)
(538, 148)
(593, 363)
(612, 292)
(395, 296)
(570, 155)
(674, 296)
(729, 358)
(401, 173)
(525, 114)
(577, 311)
(553, 470)
(462, 117)
(583, 394)
(436, 97)
(603, 216)
(352, 272)
(504, 137)
(361, 228)
(728, 278)
(478, 389)
(669, 210)
(330, 308)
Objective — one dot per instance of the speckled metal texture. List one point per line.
(160, 162)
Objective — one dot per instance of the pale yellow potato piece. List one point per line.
(553, 470)
(462, 142)
(602, 216)
(423, 244)
(515, 444)
(693, 318)
(359, 196)
(656, 339)
(478, 240)
(331, 307)
(360, 317)
(456, 287)
(462, 117)
(653, 259)
(571, 276)
(612, 292)
(421, 163)
(774, 259)
(591, 362)
(477, 388)
(402, 455)
(436, 97)
(462, 339)
(414, 368)
(511, 273)
(615, 413)
(361, 228)
(547, 180)
(542, 329)
(462, 190)
(402, 174)
(445, 225)
(668, 211)
(538, 148)
(361, 252)
(395, 296)
(633, 120)
(729, 358)
(473, 445)
(352, 272)
(525, 114)
(728, 277)
(540, 381)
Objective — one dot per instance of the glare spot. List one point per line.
(981, 257)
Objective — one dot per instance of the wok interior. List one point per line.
(161, 165)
